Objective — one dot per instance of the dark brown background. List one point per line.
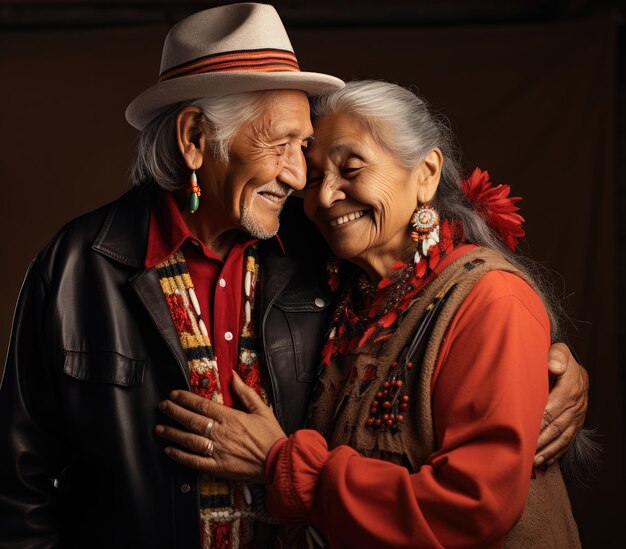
(531, 88)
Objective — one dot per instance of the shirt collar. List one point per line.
(168, 232)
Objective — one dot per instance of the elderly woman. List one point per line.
(430, 399)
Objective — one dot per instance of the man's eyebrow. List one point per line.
(296, 135)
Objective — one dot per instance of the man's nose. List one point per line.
(293, 172)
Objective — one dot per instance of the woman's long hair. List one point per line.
(402, 122)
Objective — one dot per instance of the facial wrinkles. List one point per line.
(331, 182)
(258, 142)
(257, 153)
(359, 175)
(384, 199)
(295, 164)
(285, 157)
(251, 223)
(276, 188)
(370, 190)
(259, 149)
(263, 151)
(328, 171)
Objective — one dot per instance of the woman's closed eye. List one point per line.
(350, 172)
(313, 181)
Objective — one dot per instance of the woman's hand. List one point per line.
(219, 440)
(567, 405)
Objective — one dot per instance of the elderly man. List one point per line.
(176, 285)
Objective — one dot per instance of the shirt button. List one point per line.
(228, 336)
(195, 243)
(185, 488)
(319, 302)
(222, 282)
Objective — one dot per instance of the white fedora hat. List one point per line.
(221, 51)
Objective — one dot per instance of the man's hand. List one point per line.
(218, 440)
(567, 405)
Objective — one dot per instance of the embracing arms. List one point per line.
(564, 415)
(484, 421)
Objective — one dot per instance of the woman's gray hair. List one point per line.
(158, 157)
(403, 123)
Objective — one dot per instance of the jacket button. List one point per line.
(319, 302)
(185, 488)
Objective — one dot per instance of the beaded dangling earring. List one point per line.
(194, 196)
(425, 230)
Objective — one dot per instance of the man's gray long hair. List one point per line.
(158, 157)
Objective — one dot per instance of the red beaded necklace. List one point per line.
(370, 312)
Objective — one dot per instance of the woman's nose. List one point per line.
(330, 191)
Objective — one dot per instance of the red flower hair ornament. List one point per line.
(494, 204)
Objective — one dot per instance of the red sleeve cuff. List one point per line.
(292, 472)
(272, 459)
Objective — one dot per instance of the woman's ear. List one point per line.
(190, 136)
(428, 174)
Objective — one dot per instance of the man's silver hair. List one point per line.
(158, 157)
(402, 122)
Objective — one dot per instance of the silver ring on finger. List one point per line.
(209, 427)
(210, 446)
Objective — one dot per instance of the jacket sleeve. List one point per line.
(29, 439)
(489, 390)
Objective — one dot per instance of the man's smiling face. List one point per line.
(266, 163)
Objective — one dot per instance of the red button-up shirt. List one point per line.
(218, 282)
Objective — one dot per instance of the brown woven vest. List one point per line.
(342, 410)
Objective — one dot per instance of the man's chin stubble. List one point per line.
(251, 224)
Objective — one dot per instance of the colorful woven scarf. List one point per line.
(227, 509)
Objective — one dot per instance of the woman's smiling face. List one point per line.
(357, 194)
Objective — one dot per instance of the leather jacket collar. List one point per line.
(123, 237)
(124, 233)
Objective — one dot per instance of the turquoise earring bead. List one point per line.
(194, 202)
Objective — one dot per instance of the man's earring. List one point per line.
(194, 196)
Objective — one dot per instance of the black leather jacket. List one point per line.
(93, 351)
